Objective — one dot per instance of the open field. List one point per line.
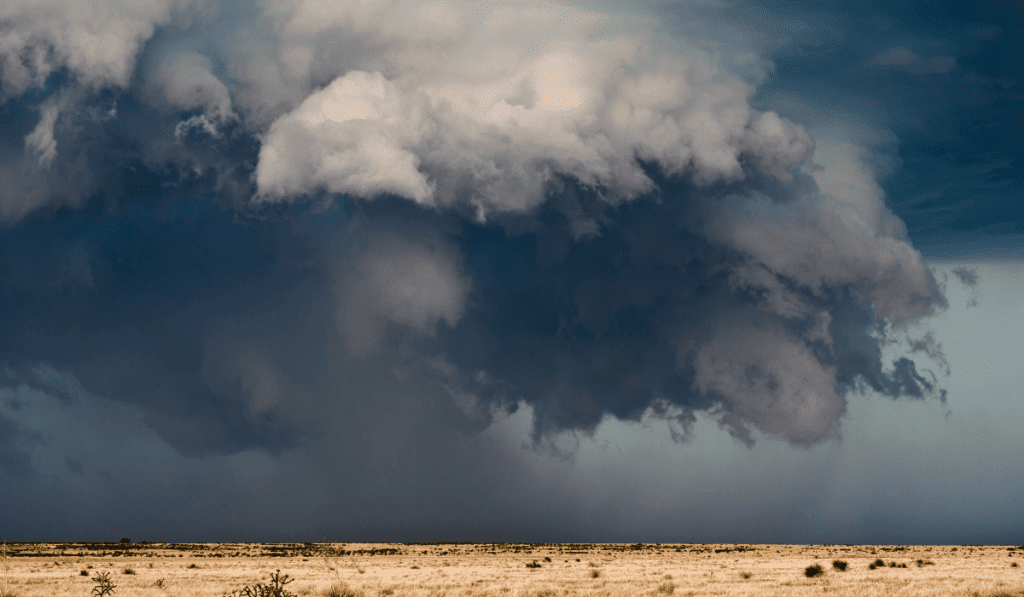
(511, 570)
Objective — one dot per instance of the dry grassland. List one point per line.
(501, 570)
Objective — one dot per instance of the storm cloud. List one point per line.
(414, 217)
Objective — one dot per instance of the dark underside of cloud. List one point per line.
(254, 270)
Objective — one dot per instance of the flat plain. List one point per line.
(510, 570)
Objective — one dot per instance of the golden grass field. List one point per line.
(500, 570)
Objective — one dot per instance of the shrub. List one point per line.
(103, 586)
(879, 563)
(274, 589)
(159, 583)
(595, 573)
(342, 590)
(192, 565)
(547, 559)
(746, 575)
(1013, 564)
(129, 571)
(667, 588)
(813, 570)
(533, 564)
(839, 565)
(84, 573)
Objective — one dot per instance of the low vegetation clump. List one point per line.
(103, 585)
(879, 563)
(342, 590)
(746, 575)
(84, 573)
(813, 570)
(924, 563)
(595, 573)
(667, 588)
(533, 564)
(839, 565)
(129, 571)
(274, 589)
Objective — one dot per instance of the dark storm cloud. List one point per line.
(261, 247)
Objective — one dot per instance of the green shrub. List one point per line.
(813, 570)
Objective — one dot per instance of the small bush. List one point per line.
(414, 567)
(387, 592)
(879, 563)
(342, 590)
(533, 564)
(595, 573)
(274, 589)
(128, 571)
(839, 565)
(813, 570)
(547, 559)
(103, 586)
(746, 575)
(1013, 564)
(84, 573)
(666, 588)
(192, 565)
(159, 583)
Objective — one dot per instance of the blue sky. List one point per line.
(704, 271)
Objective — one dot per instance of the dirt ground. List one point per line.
(510, 570)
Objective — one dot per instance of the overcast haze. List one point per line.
(654, 271)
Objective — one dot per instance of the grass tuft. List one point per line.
(595, 573)
(746, 575)
(667, 588)
(813, 570)
(342, 590)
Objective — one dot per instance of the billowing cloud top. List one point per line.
(479, 204)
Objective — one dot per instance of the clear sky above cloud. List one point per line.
(540, 271)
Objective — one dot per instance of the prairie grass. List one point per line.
(415, 570)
